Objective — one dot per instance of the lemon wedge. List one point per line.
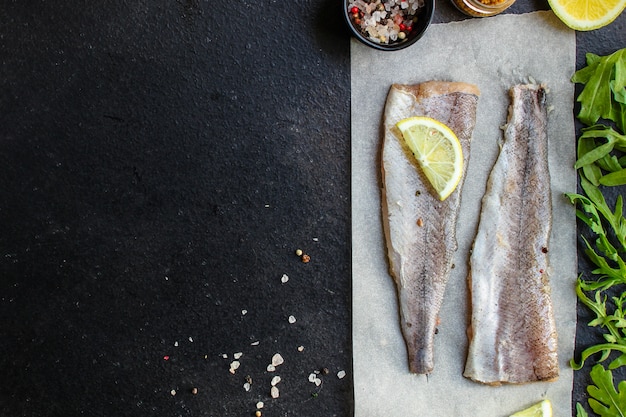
(586, 15)
(437, 150)
(541, 409)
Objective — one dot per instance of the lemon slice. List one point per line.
(541, 409)
(586, 15)
(437, 150)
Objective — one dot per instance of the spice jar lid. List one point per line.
(482, 8)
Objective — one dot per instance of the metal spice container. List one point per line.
(482, 8)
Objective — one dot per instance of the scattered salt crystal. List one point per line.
(175, 343)
(238, 355)
(292, 319)
(277, 359)
(275, 380)
(274, 392)
(260, 404)
(244, 312)
(190, 339)
(315, 239)
(341, 374)
(173, 392)
(225, 355)
(234, 365)
(300, 348)
(246, 386)
(271, 368)
(255, 343)
(314, 379)
(284, 278)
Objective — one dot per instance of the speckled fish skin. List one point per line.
(420, 229)
(513, 336)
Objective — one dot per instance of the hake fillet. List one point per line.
(420, 229)
(513, 337)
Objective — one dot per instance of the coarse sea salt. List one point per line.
(277, 359)
(384, 21)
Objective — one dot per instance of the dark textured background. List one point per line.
(161, 161)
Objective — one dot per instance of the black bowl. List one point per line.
(424, 18)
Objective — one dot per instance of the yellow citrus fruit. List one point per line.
(587, 14)
(437, 150)
(541, 409)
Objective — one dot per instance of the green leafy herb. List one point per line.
(601, 77)
(605, 400)
(602, 162)
(615, 323)
(603, 97)
(594, 211)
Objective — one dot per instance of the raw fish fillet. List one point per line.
(420, 229)
(513, 336)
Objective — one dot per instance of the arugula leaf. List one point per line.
(614, 178)
(606, 400)
(580, 411)
(596, 97)
(601, 162)
(590, 150)
(615, 323)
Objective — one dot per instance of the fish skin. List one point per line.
(420, 257)
(512, 335)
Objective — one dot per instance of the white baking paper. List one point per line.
(493, 53)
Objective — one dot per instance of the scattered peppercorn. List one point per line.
(258, 413)
(194, 390)
(325, 371)
(544, 250)
(299, 252)
(305, 258)
(420, 222)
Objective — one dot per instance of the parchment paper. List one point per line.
(493, 53)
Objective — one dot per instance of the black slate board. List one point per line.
(161, 163)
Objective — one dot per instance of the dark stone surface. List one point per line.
(161, 163)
